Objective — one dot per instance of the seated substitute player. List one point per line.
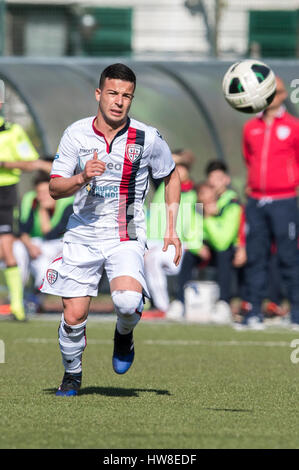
(104, 160)
(218, 177)
(42, 224)
(158, 263)
(220, 233)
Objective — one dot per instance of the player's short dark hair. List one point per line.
(118, 71)
(216, 165)
(41, 177)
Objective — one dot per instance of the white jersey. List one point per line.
(110, 206)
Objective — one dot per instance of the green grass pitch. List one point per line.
(190, 387)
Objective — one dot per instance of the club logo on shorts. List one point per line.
(52, 276)
(134, 151)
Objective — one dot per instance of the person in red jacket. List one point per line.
(271, 153)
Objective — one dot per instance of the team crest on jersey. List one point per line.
(134, 152)
(283, 132)
(52, 276)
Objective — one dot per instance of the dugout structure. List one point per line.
(183, 99)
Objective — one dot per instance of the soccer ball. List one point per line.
(249, 86)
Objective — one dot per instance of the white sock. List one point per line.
(126, 323)
(72, 342)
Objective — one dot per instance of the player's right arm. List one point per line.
(61, 187)
(66, 176)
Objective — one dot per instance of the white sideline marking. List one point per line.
(272, 344)
(54, 340)
(216, 343)
(2, 351)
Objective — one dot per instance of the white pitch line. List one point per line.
(217, 343)
(272, 344)
(53, 340)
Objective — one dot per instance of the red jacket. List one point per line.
(271, 154)
(242, 228)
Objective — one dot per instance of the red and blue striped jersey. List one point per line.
(110, 206)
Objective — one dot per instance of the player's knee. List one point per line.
(127, 302)
(75, 310)
(74, 317)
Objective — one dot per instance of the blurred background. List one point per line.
(52, 53)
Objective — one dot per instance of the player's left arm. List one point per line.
(172, 202)
(163, 167)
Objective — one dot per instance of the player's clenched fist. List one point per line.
(93, 167)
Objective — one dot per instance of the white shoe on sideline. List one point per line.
(175, 310)
(239, 326)
(254, 323)
(222, 314)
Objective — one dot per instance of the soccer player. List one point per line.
(104, 160)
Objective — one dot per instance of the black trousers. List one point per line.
(8, 202)
(271, 221)
(221, 260)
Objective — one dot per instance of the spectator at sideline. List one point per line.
(42, 224)
(271, 153)
(158, 263)
(221, 223)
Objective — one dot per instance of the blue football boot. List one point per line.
(70, 385)
(123, 353)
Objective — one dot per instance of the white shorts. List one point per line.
(78, 271)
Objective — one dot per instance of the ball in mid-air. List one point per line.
(249, 86)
